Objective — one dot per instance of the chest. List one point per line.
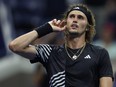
(84, 66)
(86, 61)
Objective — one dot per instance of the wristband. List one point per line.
(44, 29)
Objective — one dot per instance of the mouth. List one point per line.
(74, 26)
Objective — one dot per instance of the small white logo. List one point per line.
(87, 57)
(76, 8)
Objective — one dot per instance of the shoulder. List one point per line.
(49, 46)
(96, 48)
(101, 53)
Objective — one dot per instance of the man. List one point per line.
(77, 63)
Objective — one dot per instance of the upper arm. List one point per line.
(106, 82)
(105, 70)
(105, 66)
(29, 52)
(35, 53)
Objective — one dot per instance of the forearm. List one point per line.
(42, 40)
(23, 41)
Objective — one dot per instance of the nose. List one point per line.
(75, 20)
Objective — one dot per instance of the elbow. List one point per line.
(13, 47)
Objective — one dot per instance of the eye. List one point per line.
(80, 17)
(72, 16)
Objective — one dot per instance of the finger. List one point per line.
(58, 22)
(62, 23)
(54, 21)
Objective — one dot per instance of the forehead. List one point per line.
(76, 12)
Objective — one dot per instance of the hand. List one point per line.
(58, 25)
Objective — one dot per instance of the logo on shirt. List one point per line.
(87, 57)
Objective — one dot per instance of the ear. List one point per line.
(65, 21)
(87, 29)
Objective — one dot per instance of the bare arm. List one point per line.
(21, 45)
(106, 82)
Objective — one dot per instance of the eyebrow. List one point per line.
(77, 15)
(71, 14)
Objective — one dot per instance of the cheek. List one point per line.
(83, 24)
(68, 22)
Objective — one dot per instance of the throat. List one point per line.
(75, 43)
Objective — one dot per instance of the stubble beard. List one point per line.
(74, 33)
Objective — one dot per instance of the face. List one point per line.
(76, 22)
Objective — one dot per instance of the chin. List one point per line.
(73, 33)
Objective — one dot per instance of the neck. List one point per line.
(75, 43)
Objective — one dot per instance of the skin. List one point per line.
(77, 18)
(21, 46)
(76, 23)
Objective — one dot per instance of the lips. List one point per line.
(74, 26)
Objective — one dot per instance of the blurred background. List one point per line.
(20, 16)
